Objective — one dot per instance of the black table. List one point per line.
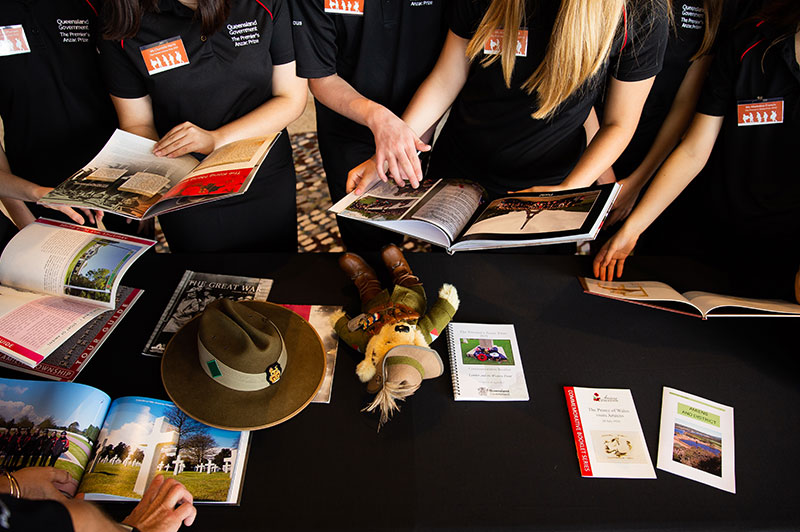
(441, 464)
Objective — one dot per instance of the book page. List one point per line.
(712, 304)
(51, 423)
(608, 436)
(450, 206)
(383, 201)
(63, 259)
(227, 170)
(103, 182)
(194, 292)
(143, 437)
(640, 291)
(696, 439)
(486, 363)
(32, 325)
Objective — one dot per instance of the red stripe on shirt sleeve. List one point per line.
(265, 7)
(93, 9)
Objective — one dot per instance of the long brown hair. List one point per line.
(581, 41)
(713, 17)
(123, 17)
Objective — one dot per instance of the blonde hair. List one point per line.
(713, 16)
(579, 45)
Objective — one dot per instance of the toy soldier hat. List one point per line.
(243, 365)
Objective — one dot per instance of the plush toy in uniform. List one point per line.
(394, 330)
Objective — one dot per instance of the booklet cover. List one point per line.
(696, 439)
(485, 362)
(113, 449)
(608, 437)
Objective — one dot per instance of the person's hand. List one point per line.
(396, 148)
(611, 257)
(185, 138)
(165, 505)
(626, 200)
(362, 176)
(72, 214)
(541, 189)
(39, 483)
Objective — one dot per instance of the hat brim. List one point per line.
(197, 394)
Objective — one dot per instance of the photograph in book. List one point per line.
(92, 272)
(698, 448)
(49, 424)
(194, 292)
(144, 437)
(533, 215)
(487, 351)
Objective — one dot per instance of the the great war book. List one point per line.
(194, 292)
(55, 278)
(456, 215)
(693, 303)
(127, 179)
(114, 449)
(485, 362)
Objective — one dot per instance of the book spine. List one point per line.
(453, 351)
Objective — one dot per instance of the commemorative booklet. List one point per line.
(693, 303)
(485, 362)
(55, 278)
(196, 290)
(695, 439)
(608, 436)
(113, 449)
(455, 214)
(127, 179)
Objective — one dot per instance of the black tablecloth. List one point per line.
(441, 464)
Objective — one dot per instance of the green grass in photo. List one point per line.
(73, 469)
(79, 454)
(468, 344)
(116, 479)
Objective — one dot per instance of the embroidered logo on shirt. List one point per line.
(13, 40)
(345, 7)
(760, 112)
(74, 30)
(164, 55)
(693, 17)
(493, 44)
(244, 33)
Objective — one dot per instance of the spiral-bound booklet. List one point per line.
(485, 362)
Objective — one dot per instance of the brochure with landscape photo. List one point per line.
(455, 215)
(127, 179)
(485, 362)
(54, 279)
(114, 449)
(700, 304)
(696, 439)
(194, 292)
(608, 436)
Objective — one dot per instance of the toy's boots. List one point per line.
(396, 263)
(362, 275)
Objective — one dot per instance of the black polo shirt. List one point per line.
(491, 136)
(754, 174)
(55, 108)
(385, 53)
(209, 80)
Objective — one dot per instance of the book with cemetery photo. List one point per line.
(456, 215)
(126, 178)
(58, 281)
(693, 303)
(114, 449)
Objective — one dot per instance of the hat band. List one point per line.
(239, 380)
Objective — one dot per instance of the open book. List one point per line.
(127, 179)
(56, 277)
(114, 449)
(700, 304)
(454, 214)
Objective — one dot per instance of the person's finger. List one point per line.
(89, 214)
(70, 212)
(169, 138)
(416, 168)
(176, 493)
(407, 167)
(620, 266)
(421, 146)
(186, 513)
(153, 489)
(380, 164)
(394, 170)
(598, 261)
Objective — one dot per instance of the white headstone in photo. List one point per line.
(163, 434)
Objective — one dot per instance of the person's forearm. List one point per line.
(19, 213)
(87, 517)
(338, 95)
(440, 88)
(678, 171)
(270, 117)
(675, 123)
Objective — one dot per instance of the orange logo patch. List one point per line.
(494, 43)
(13, 40)
(345, 7)
(164, 55)
(760, 112)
